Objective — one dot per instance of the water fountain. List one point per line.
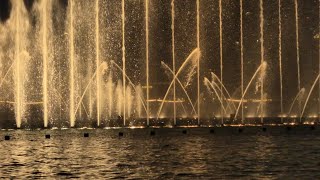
(72, 64)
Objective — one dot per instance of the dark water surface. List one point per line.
(169, 154)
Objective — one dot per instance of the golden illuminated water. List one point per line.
(112, 91)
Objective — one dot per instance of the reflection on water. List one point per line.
(168, 154)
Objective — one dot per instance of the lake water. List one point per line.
(169, 154)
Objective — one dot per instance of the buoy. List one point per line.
(152, 133)
(86, 135)
(240, 130)
(47, 136)
(212, 131)
(120, 134)
(264, 129)
(7, 137)
(184, 132)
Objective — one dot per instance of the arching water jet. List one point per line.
(215, 85)
(307, 100)
(103, 67)
(214, 76)
(181, 85)
(195, 52)
(298, 96)
(262, 67)
(209, 84)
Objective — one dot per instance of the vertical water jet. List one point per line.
(44, 46)
(97, 33)
(110, 95)
(241, 57)
(123, 59)
(147, 57)
(173, 60)
(198, 65)
(90, 97)
(221, 54)
(297, 48)
(280, 58)
(72, 65)
(20, 27)
(129, 101)
(261, 57)
(319, 60)
(18, 82)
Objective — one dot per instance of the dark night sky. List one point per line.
(5, 7)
